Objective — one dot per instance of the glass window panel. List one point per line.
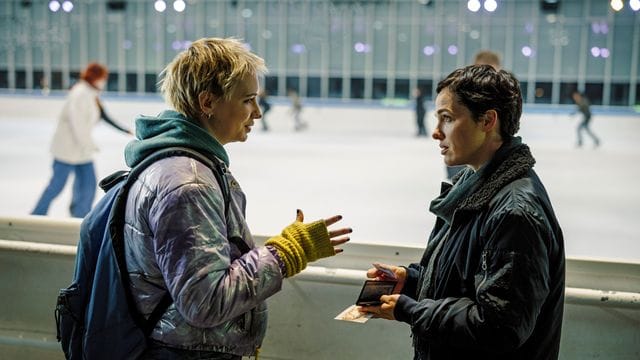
(132, 82)
(313, 87)
(403, 50)
(21, 79)
(427, 87)
(4, 79)
(619, 94)
(593, 91)
(38, 79)
(571, 47)
(293, 83)
(296, 44)
(335, 87)
(316, 33)
(150, 83)
(449, 47)
(271, 85)
(566, 89)
(622, 51)
(112, 82)
(637, 100)
(56, 81)
(402, 89)
(337, 34)
(523, 47)
(357, 88)
(379, 89)
(270, 36)
(380, 46)
(597, 41)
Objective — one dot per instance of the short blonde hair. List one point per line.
(209, 64)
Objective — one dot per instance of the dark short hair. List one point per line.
(482, 88)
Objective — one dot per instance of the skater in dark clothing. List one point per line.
(584, 107)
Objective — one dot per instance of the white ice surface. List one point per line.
(363, 163)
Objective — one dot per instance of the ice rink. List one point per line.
(363, 162)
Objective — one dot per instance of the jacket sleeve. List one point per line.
(411, 282)
(510, 288)
(194, 257)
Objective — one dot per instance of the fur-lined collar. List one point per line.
(508, 164)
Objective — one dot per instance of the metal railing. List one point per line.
(580, 296)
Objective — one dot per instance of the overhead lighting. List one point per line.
(67, 6)
(160, 6)
(54, 5)
(473, 5)
(179, 5)
(616, 5)
(634, 5)
(490, 5)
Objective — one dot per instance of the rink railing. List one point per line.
(592, 297)
(37, 255)
(58, 237)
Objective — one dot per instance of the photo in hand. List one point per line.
(372, 290)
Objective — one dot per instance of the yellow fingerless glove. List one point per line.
(302, 243)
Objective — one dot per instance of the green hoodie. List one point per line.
(170, 128)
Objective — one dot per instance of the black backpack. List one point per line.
(96, 316)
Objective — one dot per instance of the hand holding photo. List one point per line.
(354, 315)
(387, 273)
(372, 290)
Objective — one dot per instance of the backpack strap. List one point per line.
(116, 223)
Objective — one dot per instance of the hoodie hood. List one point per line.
(168, 129)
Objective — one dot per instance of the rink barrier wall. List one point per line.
(37, 255)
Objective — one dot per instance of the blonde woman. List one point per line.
(180, 240)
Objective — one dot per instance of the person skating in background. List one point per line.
(295, 110)
(421, 110)
(73, 146)
(265, 106)
(584, 107)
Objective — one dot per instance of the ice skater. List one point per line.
(265, 106)
(73, 147)
(421, 110)
(296, 109)
(584, 107)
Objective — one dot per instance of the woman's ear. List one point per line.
(206, 102)
(490, 120)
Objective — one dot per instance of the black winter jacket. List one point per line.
(497, 286)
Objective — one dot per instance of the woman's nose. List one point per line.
(437, 134)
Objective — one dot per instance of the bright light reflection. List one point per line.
(634, 5)
(67, 6)
(473, 5)
(595, 51)
(160, 6)
(527, 51)
(490, 5)
(452, 49)
(604, 52)
(429, 50)
(54, 5)
(179, 5)
(616, 5)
